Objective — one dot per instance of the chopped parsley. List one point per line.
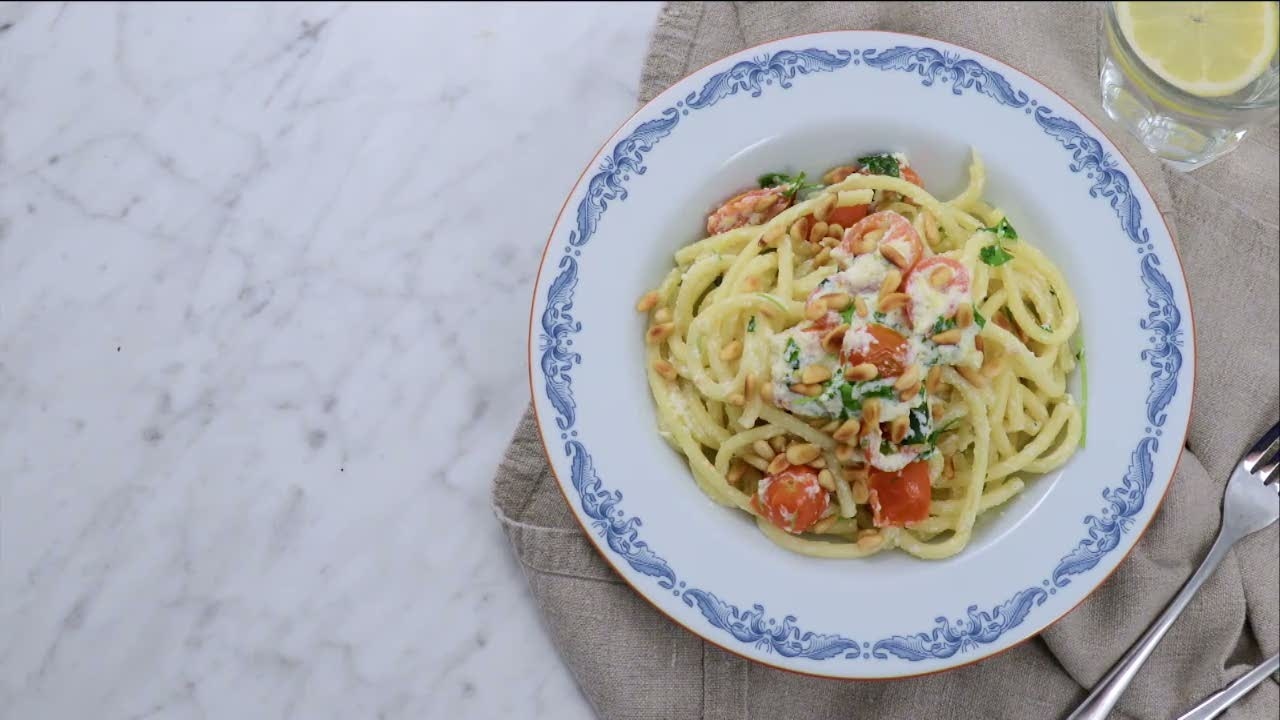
(995, 254)
(1046, 328)
(921, 424)
(882, 164)
(852, 394)
(792, 354)
(886, 448)
(790, 185)
(751, 324)
(942, 324)
(977, 317)
(846, 315)
(878, 317)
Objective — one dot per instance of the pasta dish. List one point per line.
(861, 366)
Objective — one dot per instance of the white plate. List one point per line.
(805, 103)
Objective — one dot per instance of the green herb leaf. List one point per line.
(878, 316)
(886, 448)
(846, 315)
(1004, 230)
(995, 255)
(882, 164)
(977, 317)
(942, 324)
(751, 324)
(793, 354)
(791, 185)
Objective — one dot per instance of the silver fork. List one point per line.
(1250, 504)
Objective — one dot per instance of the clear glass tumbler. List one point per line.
(1183, 129)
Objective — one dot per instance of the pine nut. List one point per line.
(806, 390)
(937, 412)
(895, 256)
(834, 339)
(838, 174)
(827, 480)
(861, 372)
(749, 385)
(662, 315)
(778, 443)
(737, 469)
(830, 427)
(837, 301)
(732, 351)
(819, 464)
(892, 302)
(814, 310)
(835, 230)
(813, 374)
(860, 492)
(870, 414)
(823, 525)
(648, 301)
(846, 453)
(762, 449)
(947, 337)
(817, 232)
(777, 464)
(941, 276)
(823, 256)
(870, 542)
(737, 400)
(973, 377)
(964, 315)
(802, 453)
(823, 207)
(658, 333)
(892, 280)
(898, 429)
(977, 343)
(992, 365)
(766, 392)
(909, 377)
(864, 246)
(933, 379)
(931, 229)
(860, 306)
(847, 431)
(905, 395)
(665, 369)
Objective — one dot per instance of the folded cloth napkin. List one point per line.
(631, 662)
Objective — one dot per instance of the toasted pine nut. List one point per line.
(905, 395)
(857, 474)
(778, 443)
(798, 232)
(830, 242)
(964, 315)
(812, 374)
(771, 236)
(933, 379)
(835, 230)
(802, 453)
(931, 229)
(648, 301)
(977, 343)
(899, 428)
(864, 246)
(861, 372)
(974, 378)
(860, 306)
(823, 256)
(814, 310)
(870, 414)
(838, 174)
(737, 469)
(947, 337)
(806, 389)
(817, 232)
(762, 449)
(736, 400)
(732, 351)
(892, 302)
(837, 301)
(665, 369)
(777, 464)
(658, 333)
(662, 315)
(845, 453)
(870, 542)
(938, 411)
(827, 480)
(830, 427)
(820, 463)
(766, 392)
(940, 276)
(847, 431)
(909, 377)
(749, 385)
(824, 524)
(834, 339)
(895, 256)
(764, 202)
(889, 285)
(860, 492)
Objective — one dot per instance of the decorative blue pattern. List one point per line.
(622, 533)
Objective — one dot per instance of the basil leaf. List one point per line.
(995, 255)
(886, 448)
(846, 315)
(943, 324)
(977, 317)
(921, 425)
(791, 185)
(882, 164)
(878, 316)
(793, 354)
(1004, 230)
(769, 180)
(751, 324)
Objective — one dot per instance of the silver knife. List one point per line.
(1213, 705)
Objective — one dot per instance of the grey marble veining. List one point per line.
(264, 285)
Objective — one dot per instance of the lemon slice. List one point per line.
(1209, 49)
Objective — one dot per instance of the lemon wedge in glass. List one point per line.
(1209, 49)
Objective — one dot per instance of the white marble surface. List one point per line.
(264, 285)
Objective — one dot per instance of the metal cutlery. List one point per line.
(1213, 705)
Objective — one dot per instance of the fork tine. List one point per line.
(1268, 473)
(1262, 449)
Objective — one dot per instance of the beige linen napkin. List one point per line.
(631, 662)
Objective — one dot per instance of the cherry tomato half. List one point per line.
(792, 499)
(902, 497)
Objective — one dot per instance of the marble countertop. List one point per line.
(264, 285)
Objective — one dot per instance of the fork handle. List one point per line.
(1107, 692)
